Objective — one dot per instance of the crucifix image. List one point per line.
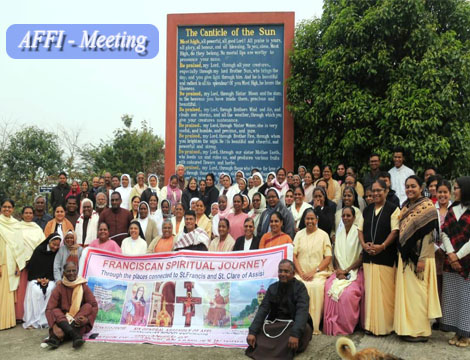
(189, 302)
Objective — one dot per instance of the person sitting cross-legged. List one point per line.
(282, 326)
(71, 310)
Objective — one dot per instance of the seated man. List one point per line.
(192, 237)
(71, 310)
(287, 329)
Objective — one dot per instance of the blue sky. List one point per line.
(91, 95)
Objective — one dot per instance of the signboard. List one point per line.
(180, 298)
(229, 110)
(46, 188)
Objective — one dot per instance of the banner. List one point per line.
(180, 298)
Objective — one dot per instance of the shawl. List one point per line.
(195, 237)
(73, 193)
(139, 190)
(13, 247)
(125, 192)
(173, 195)
(255, 214)
(205, 223)
(416, 221)
(228, 245)
(283, 187)
(223, 213)
(458, 232)
(298, 214)
(32, 237)
(52, 224)
(77, 296)
(348, 249)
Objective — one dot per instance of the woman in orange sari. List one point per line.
(275, 237)
(165, 242)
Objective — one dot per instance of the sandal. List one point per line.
(463, 342)
(454, 340)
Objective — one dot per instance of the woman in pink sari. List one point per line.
(344, 289)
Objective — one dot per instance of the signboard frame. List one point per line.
(287, 19)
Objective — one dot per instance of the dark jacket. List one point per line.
(58, 195)
(391, 197)
(239, 243)
(298, 301)
(187, 196)
(210, 196)
(146, 195)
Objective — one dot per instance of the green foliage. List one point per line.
(371, 75)
(130, 151)
(112, 316)
(31, 155)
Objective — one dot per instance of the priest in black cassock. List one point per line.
(282, 326)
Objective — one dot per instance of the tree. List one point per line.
(370, 75)
(31, 156)
(130, 151)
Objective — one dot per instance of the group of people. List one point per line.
(390, 253)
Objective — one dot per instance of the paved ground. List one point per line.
(19, 344)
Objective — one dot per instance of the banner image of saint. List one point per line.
(137, 305)
(216, 304)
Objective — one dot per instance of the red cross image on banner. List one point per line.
(189, 303)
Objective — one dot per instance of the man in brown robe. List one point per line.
(71, 310)
(117, 218)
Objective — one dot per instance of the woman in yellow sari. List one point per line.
(312, 260)
(11, 263)
(416, 295)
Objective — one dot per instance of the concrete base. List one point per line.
(20, 344)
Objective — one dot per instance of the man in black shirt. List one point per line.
(60, 191)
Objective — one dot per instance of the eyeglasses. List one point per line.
(377, 190)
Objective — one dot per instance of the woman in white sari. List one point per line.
(343, 290)
(32, 237)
